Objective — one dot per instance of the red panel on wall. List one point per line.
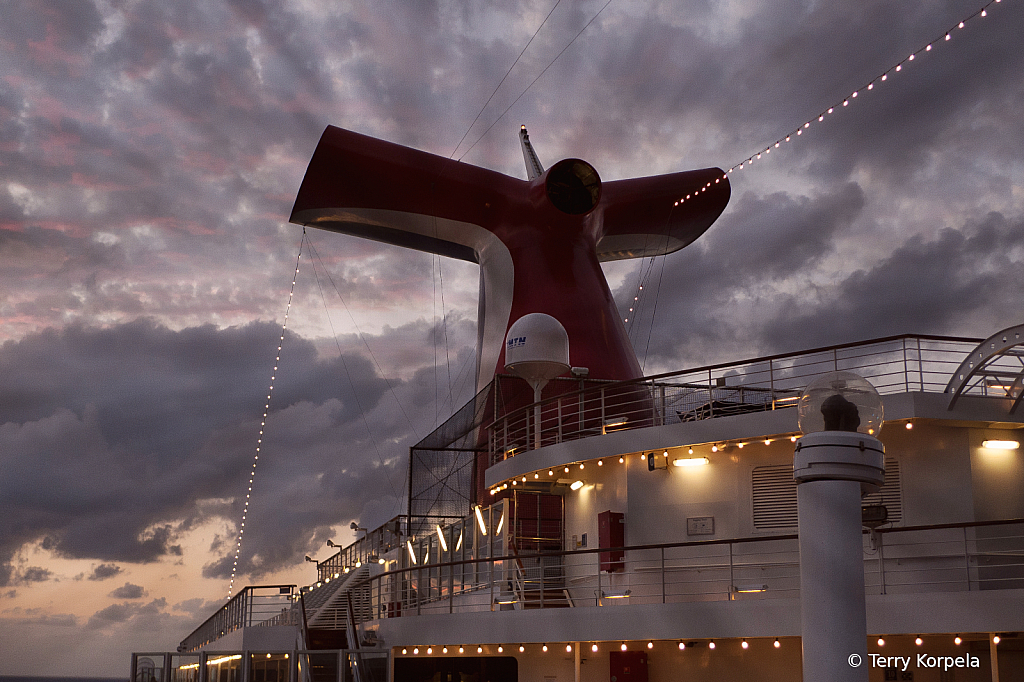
(611, 532)
(627, 666)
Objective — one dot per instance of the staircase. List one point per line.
(329, 607)
(537, 527)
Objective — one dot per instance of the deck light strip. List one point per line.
(820, 118)
(263, 421)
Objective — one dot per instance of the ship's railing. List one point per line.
(297, 665)
(366, 549)
(894, 364)
(254, 605)
(938, 558)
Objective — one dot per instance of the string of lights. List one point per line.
(883, 77)
(847, 101)
(263, 420)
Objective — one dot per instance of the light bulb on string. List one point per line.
(263, 421)
(927, 47)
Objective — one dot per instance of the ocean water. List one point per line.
(19, 678)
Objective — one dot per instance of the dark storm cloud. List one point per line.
(22, 617)
(925, 286)
(118, 437)
(129, 591)
(762, 242)
(104, 571)
(35, 574)
(124, 612)
(961, 282)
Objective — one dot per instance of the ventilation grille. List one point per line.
(775, 495)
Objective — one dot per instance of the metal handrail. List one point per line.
(767, 379)
(954, 563)
(245, 609)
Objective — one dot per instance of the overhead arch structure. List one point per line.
(995, 367)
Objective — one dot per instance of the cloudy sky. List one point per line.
(150, 152)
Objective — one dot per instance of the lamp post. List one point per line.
(837, 460)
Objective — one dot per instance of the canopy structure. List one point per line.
(995, 367)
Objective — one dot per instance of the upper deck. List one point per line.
(706, 551)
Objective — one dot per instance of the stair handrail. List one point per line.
(304, 633)
(519, 577)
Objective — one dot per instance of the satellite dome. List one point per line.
(537, 348)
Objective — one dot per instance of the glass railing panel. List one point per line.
(185, 667)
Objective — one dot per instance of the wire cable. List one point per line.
(479, 113)
(536, 79)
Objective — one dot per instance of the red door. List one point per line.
(627, 666)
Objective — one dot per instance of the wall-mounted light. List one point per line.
(748, 589)
(506, 597)
(576, 485)
(1000, 444)
(615, 594)
(412, 552)
(501, 522)
(480, 520)
(691, 461)
(440, 536)
(612, 423)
